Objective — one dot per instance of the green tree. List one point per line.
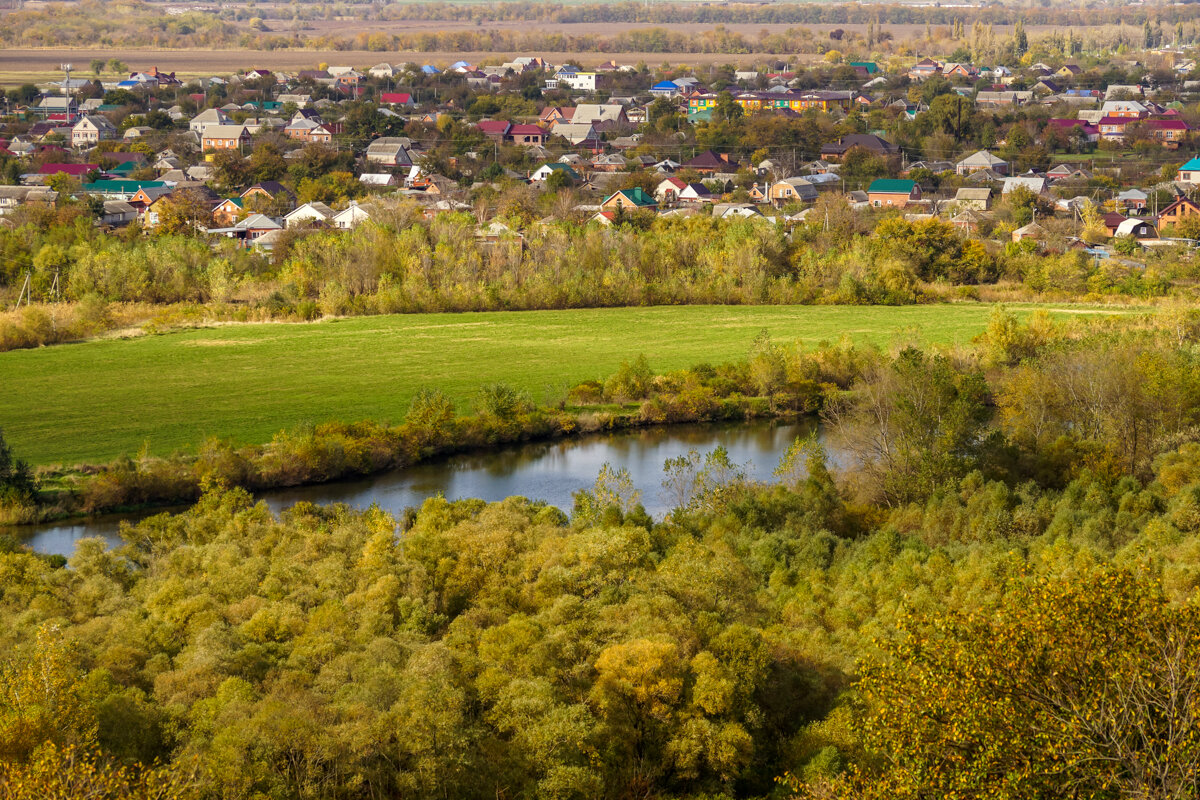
(1083, 687)
(913, 424)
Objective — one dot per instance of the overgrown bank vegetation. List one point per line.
(1009, 558)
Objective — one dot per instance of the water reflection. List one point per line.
(550, 471)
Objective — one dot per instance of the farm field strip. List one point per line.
(97, 400)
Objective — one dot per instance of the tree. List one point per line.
(230, 170)
(1082, 686)
(267, 163)
(97, 66)
(913, 424)
(183, 212)
(1020, 39)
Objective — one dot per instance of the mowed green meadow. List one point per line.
(94, 401)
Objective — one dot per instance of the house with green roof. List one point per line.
(630, 200)
(1190, 172)
(870, 67)
(892, 192)
(544, 172)
(117, 189)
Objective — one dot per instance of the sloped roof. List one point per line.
(891, 186)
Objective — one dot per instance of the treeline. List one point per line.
(135, 24)
(403, 263)
(1009, 567)
(124, 24)
(785, 13)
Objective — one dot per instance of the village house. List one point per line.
(350, 217)
(552, 115)
(1032, 231)
(229, 211)
(308, 215)
(1170, 133)
(269, 192)
(791, 190)
(975, 199)
(1177, 211)
(207, 118)
(526, 135)
(694, 193)
(629, 199)
(1137, 229)
(835, 151)
(542, 173)
(224, 137)
(62, 110)
(710, 162)
(892, 192)
(389, 151)
(494, 128)
(579, 134)
(91, 130)
(303, 129)
(668, 189)
(1190, 172)
(981, 160)
(603, 117)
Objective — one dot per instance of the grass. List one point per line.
(94, 401)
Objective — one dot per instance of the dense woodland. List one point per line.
(993, 598)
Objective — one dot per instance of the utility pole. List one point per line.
(25, 292)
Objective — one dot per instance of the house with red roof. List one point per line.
(552, 114)
(494, 128)
(1090, 132)
(526, 135)
(396, 99)
(1170, 133)
(1112, 129)
(74, 170)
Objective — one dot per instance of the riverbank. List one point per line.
(546, 471)
(336, 451)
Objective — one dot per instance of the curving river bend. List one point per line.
(550, 471)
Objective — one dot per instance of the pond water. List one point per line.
(549, 471)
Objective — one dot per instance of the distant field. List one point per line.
(94, 401)
(22, 65)
(35, 65)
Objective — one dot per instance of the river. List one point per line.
(550, 471)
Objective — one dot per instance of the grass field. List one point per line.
(94, 401)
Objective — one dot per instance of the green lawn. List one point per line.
(94, 401)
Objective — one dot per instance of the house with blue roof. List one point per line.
(430, 69)
(1190, 172)
(664, 89)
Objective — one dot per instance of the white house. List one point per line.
(569, 76)
(350, 218)
(314, 213)
(209, 116)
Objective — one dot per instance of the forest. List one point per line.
(993, 597)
